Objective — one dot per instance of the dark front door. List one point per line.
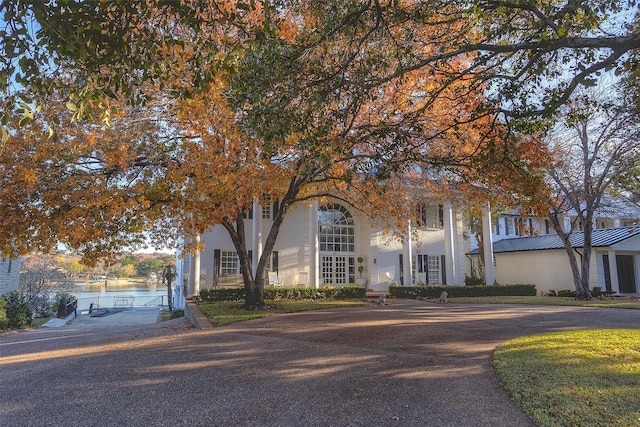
(626, 275)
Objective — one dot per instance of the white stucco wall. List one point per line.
(379, 251)
(548, 270)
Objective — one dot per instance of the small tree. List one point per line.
(168, 275)
(40, 279)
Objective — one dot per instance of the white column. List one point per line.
(408, 262)
(196, 270)
(314, 247)
(450, 245)
(487, 240)
(257, 236)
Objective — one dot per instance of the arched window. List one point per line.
(336, 231)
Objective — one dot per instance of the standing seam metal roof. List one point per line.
(601, 237)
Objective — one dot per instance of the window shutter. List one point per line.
(250, 254)
(216, 262)
(274, 261)
(443, 270)
(401, 271)
(607, 272)
(276, 208)
(441, 216)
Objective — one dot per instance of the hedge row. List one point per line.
(461, 291)
(296, 293)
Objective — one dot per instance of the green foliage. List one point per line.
(173, 314)
(149, 265)
(567, 293)
(473, 281)
(4, 320)
(231, 294)
(18, 313)
(461, 291)
(596, 291)
(295, 293)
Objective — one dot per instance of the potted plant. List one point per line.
(360, 281)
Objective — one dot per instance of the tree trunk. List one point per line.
(580, 272)
(585, 293)
(170, 295)
(254, 278)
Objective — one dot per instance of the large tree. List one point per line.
(590, 149)
(195, 109)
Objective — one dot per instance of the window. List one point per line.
(229, 263)
(429, 265)
(497, 226)
(336, 231)
(266, 208)
(433, 269)
(510, 226)
(430, 216)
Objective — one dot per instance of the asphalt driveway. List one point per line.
(410, 363)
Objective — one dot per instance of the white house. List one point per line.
(320, 244)
(9, 274)
(542, 260)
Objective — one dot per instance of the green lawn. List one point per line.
(607, 303)
(223, 313)
(574, 378)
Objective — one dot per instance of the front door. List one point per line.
(626, 274)
(337, 270)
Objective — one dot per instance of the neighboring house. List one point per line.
(542, 260)
(320, 245)
(9, 274)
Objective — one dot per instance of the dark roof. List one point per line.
(601, 237)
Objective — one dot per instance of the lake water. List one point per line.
(119, 296)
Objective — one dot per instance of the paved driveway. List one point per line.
(410, 363)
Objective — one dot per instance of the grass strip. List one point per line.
(574, 378)
(604, 303)
(224, 313)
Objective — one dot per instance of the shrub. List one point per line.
(231, 294)
(596, 291)
(566, 293)
(177, 313)
(473, 281)
(295, 293)
(4, 321)
(17, 310)
(462, 291)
